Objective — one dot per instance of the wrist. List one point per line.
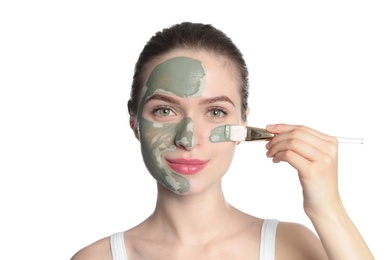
(332, 212)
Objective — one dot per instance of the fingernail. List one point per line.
(270, 126)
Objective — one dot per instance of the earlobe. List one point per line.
(134, 127)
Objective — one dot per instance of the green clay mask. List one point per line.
(182, 77)
(220, 134)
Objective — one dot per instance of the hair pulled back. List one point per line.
(189, 35)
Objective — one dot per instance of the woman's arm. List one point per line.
(314, 156)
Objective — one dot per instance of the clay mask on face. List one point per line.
(183, 77)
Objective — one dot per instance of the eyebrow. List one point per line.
(207, 101)
(217, 99)
(167, 99)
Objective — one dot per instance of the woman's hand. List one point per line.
(314, 156)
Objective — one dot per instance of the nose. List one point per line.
(185, 134)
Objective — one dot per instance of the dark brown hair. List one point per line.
(188, 35)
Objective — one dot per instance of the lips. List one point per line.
(186, 166)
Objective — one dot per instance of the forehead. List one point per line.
(182, 76)
(188, 63)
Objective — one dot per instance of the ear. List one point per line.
(134, 126)
(246, 120)
(246, 116)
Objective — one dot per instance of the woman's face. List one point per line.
(185, 96)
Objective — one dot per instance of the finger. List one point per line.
(296, 134)
(298, 146)
(295, 160)
(322, 143)
(280, 128)
(303, 143)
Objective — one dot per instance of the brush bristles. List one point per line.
(238, 133)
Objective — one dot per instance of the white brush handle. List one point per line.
(350, 140)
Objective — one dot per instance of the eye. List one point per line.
(163, 111)
(217, 112)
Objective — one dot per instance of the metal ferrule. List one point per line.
(255, 134)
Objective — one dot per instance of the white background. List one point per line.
(70, 168)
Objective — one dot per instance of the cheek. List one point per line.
(223, 152)
(155, 140)
(155, 137)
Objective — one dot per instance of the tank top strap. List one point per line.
(117, 244)
(267, 242)
(268, 238)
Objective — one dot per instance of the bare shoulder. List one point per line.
(296, 241)
(100, 250)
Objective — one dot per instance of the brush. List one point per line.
(240, 133)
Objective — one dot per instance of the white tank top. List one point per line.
(267, 242)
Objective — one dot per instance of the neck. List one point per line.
(192, 218)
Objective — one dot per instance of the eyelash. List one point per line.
(159, 108)
(219, 109)
(209, 111)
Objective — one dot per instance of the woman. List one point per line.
(189, 79)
